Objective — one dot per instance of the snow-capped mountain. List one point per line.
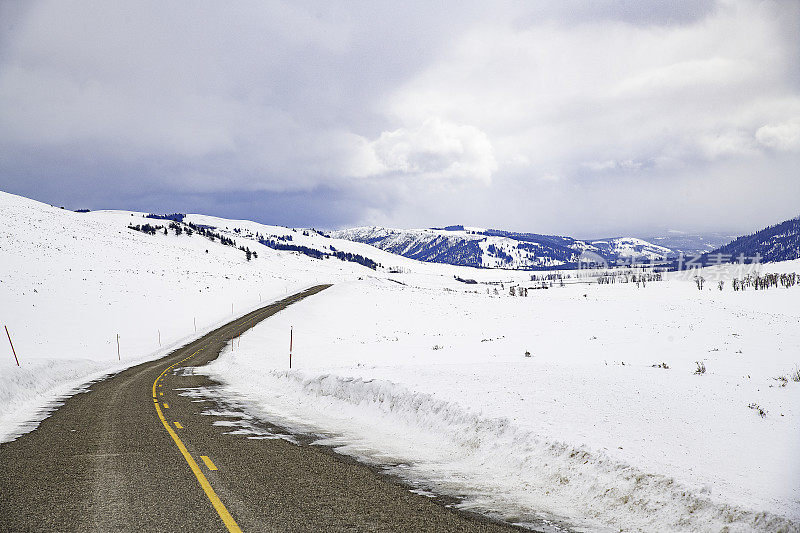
(631, 248)
(477, 247)
(780, 242)
(690, 243)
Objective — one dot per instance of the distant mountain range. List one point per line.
(477, 247)
(489, 248)
(690, 243)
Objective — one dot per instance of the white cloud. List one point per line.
(627, 165)
(435, 150)
(782, 136)
(564, 94)
(691, 74)
(727, 143)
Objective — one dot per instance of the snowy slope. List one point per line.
(479, 247)
(71, 282)
(780, 242)
(587, 432)
(632, 249)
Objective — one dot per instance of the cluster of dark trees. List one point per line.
(276, 244)
(555, 276)
(766, 281)
(209, 233)
(258, 236)
(356, 258)
(179, 227)
(147, 228)
(640, 279)
(497, 252)
(177, 217)
(248, 253)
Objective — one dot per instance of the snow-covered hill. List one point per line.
(780, 242)
(631, 249)
(71, 282)
(422, 365)
(459, 245)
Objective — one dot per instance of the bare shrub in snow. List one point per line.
(437, 347)
(701, 367)
(761, 411)
(796, 375)
(527, 353)
(782, 381)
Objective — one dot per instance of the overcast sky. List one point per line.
(583, 118)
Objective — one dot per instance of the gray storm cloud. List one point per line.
(567, 117)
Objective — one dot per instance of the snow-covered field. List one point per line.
(414, 371)
(586, 429)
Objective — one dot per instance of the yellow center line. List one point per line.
(226, 517)
(209, 464)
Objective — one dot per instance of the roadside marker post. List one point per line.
(159, 338)
(291, 338)
(12, 346)
(119, 357)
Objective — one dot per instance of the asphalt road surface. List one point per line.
(135, 453)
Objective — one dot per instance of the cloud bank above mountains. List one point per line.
(551, 117)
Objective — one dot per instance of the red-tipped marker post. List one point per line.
(14, 351)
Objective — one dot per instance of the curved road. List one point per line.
(133, 454)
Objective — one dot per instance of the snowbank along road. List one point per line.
(135, 453)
